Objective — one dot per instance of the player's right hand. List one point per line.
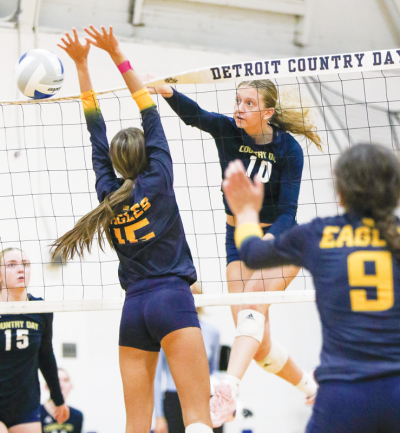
(61, 413)
(161, 425)
(74, 48)
(241, 193)
(164, 90)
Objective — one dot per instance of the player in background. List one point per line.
(25, 347)
(354, 261)
(167, 408)
(260, 135)
(139, 217)
(47, 410)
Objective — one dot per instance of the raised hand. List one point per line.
(241, 193)
(103, 40)
(74, 48)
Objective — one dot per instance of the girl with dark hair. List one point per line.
(260, 134)
(139, 216)
(25, 347)
(354, 261)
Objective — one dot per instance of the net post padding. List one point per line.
(27, 307)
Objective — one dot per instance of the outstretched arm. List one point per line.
(79, 54)
(107, 42)
(157, 149)
(106, 180)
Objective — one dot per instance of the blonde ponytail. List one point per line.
(288, 115)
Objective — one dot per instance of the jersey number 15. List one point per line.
(22, 338)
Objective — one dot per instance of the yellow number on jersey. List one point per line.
(382, 280)
(130, 232)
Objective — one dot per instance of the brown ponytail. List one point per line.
(368, 181)
(287, 116)
(128, 156)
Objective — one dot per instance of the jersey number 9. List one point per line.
(382, 280)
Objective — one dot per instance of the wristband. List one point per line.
(245, 231)
(124, 67)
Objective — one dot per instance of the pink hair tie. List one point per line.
(124, 67)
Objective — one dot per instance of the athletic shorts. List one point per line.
(232, 253)
(371, 406)
(148, 317)
(12, 417)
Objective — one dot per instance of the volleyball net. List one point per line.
(47, 182)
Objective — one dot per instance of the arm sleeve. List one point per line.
(214, 362)
(289, 249)
(158, 394)
(289, 191)
(106, 180)
(47, 362)
(160, 173)
(191, 114)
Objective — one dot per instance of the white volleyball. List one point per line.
(39, 74)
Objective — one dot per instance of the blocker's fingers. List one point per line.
(89, 32)
(68, 37)
(58, 45)
(111, 31)
(91, 41)
(104, 30)
(75, 34)
(65, 42)
(94, 30)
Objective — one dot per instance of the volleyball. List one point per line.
(39, 74)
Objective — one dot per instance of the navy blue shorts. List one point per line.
(11, 417)
(370, 406)
(148, 317)
(232, 254)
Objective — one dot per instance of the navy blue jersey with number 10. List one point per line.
(279, 164)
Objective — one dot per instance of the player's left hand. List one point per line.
(61, 413)
(241, 193)
(103, 40)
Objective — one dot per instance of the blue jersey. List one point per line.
(26, 346)
(357, 285)
(148, 235)
(72, 425)
(279, 164)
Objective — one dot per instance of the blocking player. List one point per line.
(354, 261)
(25, 347)
(139, 216)
(260, 134)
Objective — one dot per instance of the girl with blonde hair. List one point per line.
(261, 135)
(25, 347)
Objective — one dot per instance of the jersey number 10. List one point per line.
(264, 172)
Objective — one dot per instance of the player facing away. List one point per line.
(139, 216)
(47, 410)
(354, 261)
(259, 135)
(25, 347)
